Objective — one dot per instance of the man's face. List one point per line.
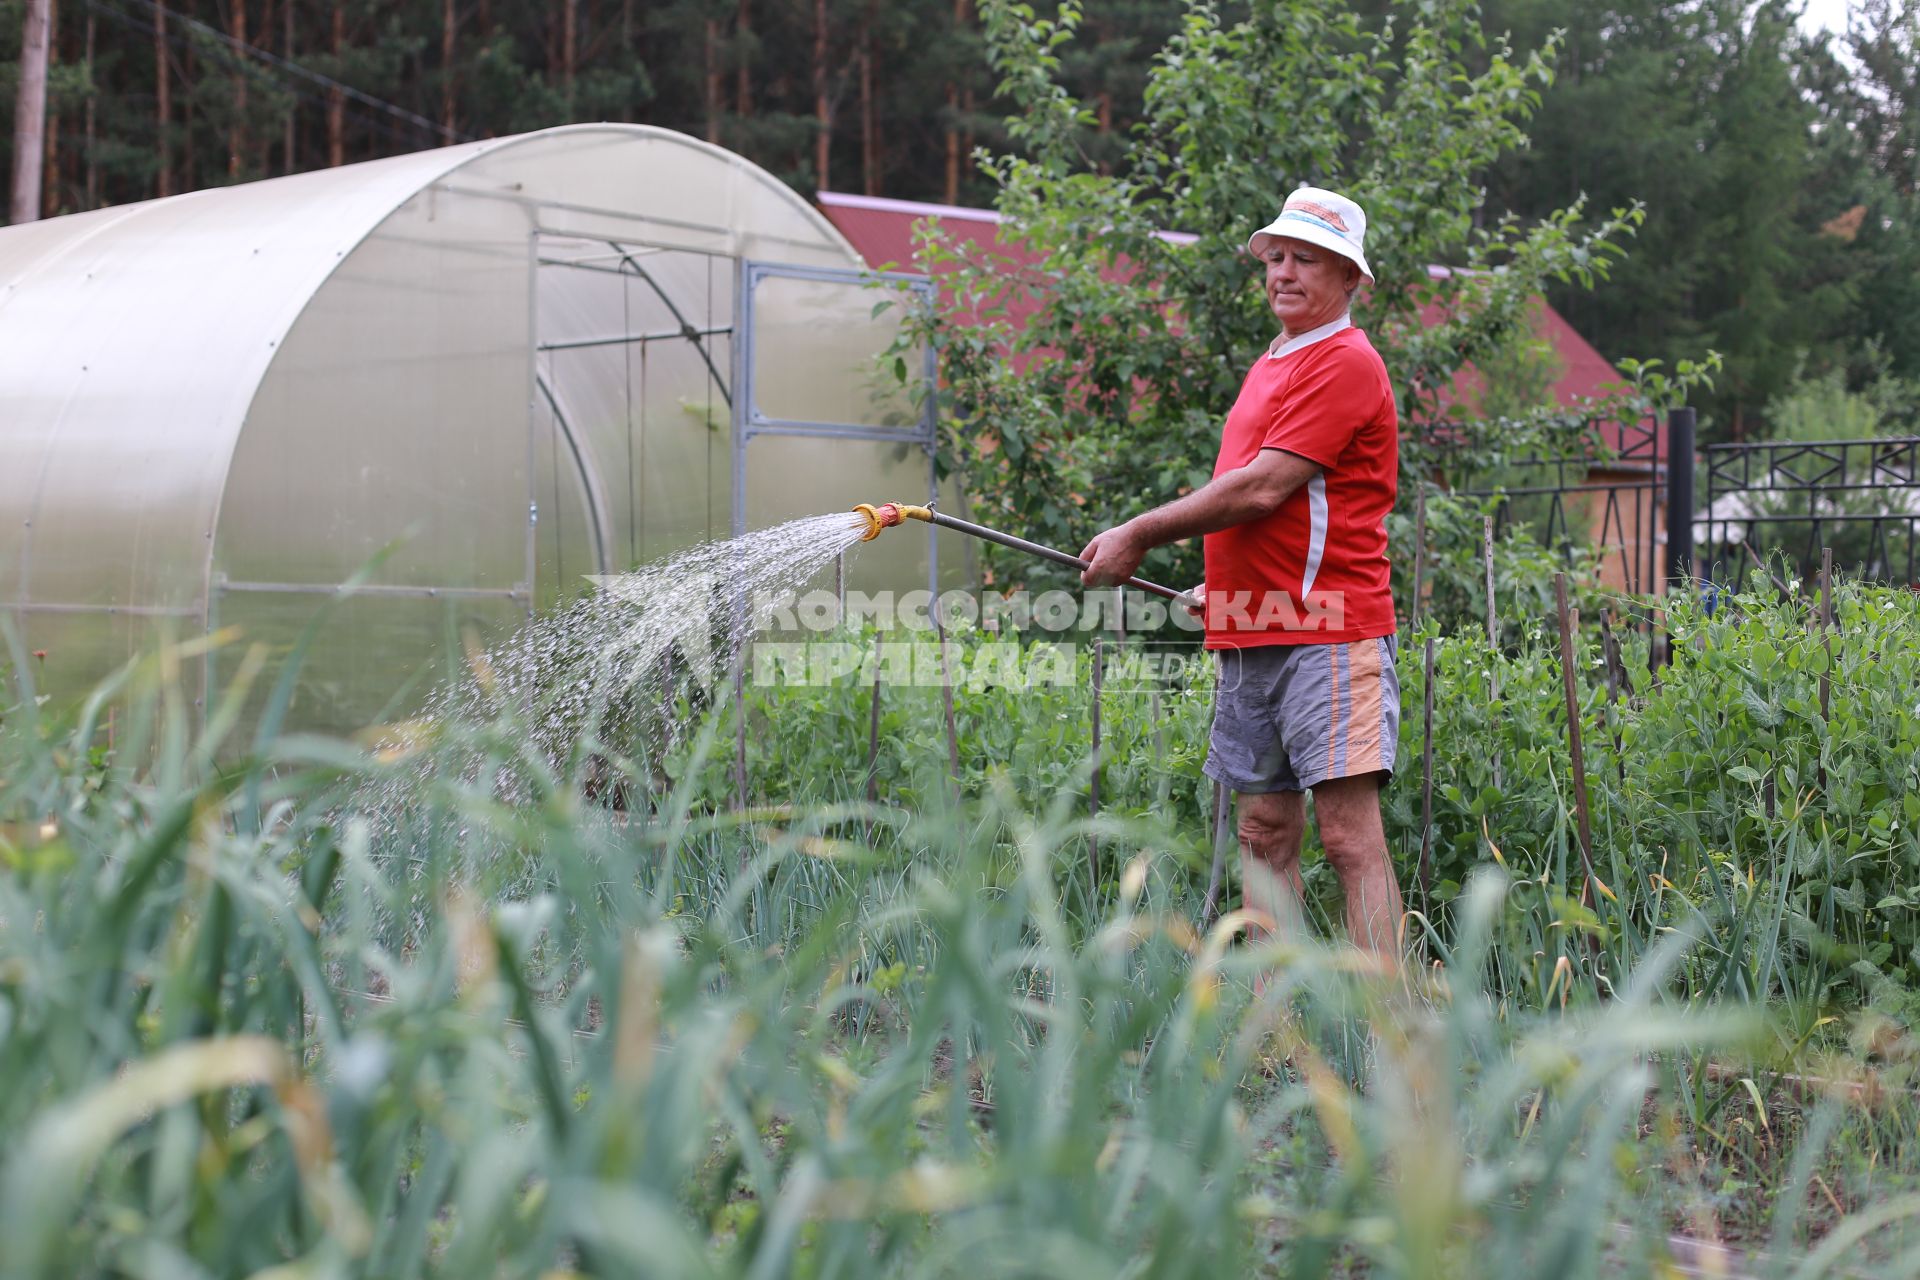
(1307, 286)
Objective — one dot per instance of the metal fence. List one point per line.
(1788, 500)
(1654, 509)
(1618, 498)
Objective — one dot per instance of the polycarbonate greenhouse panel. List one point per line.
(675, 193)
(81, 649)
(564, 543)
(793, 476)
(821, 354)
(135, 340)
(394, 420)
(373, 659)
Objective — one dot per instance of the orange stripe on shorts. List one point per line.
(1334, 728)
(1363, 741)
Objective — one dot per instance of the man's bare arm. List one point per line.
(1243, 494)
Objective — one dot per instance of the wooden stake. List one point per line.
(1419, 551)
(1573, 732)
(1826, 625)
(873, 725)
(1493, 644)
(946, 695)
(1486, 545)
(1210, 905)
(1093, 780)
(1616, 676)
(1426, 791)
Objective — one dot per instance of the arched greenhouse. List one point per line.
(464, 378)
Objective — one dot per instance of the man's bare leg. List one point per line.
(1271, 825)
(1347, 811)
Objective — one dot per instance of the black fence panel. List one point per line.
(1652, 510)
(1774, 500)
(1612, 499)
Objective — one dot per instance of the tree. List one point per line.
(167, 95)
(30, 114)
(1880, 144)
(1883, 36)
(1769, 235)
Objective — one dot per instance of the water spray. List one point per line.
(888, 514)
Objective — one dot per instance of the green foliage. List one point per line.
(1722, 789)
(1087, 373)
(1821, 407)
(1771, 166)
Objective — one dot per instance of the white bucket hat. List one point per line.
(1321, 217)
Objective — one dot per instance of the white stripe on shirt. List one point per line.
(1316, 529)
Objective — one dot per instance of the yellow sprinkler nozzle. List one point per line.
(875, 520)
(888, 514)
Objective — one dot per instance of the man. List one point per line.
(1297, 600)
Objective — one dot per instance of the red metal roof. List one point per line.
(882, 229)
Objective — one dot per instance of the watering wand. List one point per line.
(888, 514)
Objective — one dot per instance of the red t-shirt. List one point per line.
(1315, 571)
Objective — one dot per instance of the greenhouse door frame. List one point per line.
(626, 253)
(749, 421)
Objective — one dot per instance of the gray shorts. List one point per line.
(1286, 717)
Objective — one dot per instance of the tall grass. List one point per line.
(247, 1027)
